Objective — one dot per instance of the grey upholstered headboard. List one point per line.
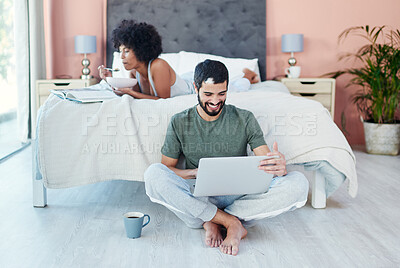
(229, 28)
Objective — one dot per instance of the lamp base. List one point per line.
(85, 69)
(85, 76)
(292, 61)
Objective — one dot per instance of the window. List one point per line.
(9, 138)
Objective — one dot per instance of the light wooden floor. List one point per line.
(9, 140)
(83, 226)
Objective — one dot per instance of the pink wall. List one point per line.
(320, 22)
(65, 19)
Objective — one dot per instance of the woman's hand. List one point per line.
(275, 166)
(103, 73)
(124, 90)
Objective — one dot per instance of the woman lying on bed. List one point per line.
(140, 45)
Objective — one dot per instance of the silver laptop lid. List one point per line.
(231, 176)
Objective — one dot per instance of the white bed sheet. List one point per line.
(118, 139)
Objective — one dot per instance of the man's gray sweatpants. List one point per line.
(163, 186)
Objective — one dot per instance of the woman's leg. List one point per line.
(251, 76)
(243, 83)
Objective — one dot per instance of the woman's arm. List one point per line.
(163, 77)
(103, 73)
(134, 93)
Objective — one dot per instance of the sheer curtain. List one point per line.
(30, 60)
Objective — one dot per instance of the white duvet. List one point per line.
(119, 138)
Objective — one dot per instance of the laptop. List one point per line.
(231, 176)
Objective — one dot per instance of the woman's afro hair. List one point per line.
(141, 37)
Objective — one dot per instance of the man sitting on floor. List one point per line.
(213, 129)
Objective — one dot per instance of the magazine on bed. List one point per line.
(84, 95)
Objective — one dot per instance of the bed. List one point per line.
(75, 143)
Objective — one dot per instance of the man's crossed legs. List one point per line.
(286, 193)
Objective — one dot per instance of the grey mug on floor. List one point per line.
(133, 222)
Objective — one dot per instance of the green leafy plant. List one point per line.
(378, 77)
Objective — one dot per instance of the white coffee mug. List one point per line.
(293, 71)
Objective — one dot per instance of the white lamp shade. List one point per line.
(292, 42)
(85, 44)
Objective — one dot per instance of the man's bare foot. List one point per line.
(251, 76)
(213, 234)
(235, 233)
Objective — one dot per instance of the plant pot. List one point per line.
(382, 138)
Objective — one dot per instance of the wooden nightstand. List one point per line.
(43, 87)
(318, 89)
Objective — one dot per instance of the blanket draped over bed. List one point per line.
(118, 139)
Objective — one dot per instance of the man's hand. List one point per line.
(183, 173)
(186, 174)
(192, 173)
(275, 166)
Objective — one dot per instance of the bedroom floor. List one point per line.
(8, 137)
(83, 226)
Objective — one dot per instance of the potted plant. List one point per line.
(378, 81)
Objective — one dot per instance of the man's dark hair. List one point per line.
(210, 69)
(141, 37)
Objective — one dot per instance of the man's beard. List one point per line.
(204, 107)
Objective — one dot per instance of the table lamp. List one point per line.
(85, 44)
(292, 43)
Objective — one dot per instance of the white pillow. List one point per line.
(189, 60)
(173, 60)
(185, 62)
